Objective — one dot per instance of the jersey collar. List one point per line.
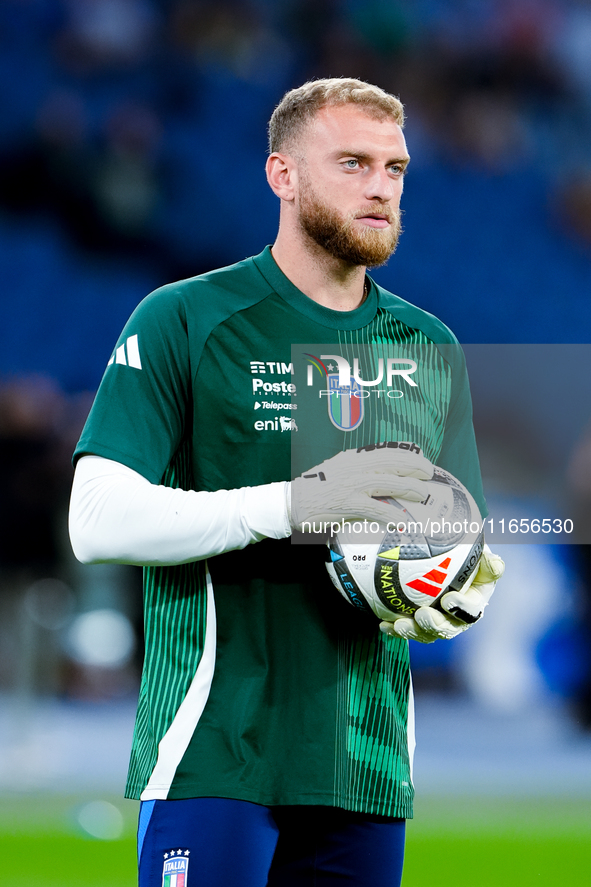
(341, 320)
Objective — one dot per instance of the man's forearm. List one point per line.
(117, 516)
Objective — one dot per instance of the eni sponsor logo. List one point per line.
(281, 423)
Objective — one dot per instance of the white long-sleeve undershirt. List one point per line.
(118, 516)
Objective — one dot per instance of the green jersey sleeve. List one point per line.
(139, 414)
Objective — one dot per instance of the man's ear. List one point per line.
(282, 175)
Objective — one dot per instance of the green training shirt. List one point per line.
(260, 682)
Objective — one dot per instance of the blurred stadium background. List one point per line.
(132, 143)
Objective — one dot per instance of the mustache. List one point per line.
(391, 215)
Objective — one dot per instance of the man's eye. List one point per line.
(397, 169)
(352, 164)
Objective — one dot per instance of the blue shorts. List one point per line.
(216, 842)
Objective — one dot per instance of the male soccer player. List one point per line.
(273, 742)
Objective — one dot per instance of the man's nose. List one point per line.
(380, 186)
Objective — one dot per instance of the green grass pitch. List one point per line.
(499, 842)
(459, 842)
(43, 845)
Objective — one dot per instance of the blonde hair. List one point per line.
(300, 105)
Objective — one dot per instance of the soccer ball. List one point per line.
(427, 549)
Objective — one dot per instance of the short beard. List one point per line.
(335, 233)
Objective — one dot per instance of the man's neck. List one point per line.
(324, 279)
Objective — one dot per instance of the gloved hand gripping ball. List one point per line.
(344, 486)
(461, 609)
(426, 551)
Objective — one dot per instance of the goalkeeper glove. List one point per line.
(463, 608)
(342, 487)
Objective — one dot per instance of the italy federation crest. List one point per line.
(174, 872)
(345, 405)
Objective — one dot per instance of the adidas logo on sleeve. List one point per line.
(128, 354)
